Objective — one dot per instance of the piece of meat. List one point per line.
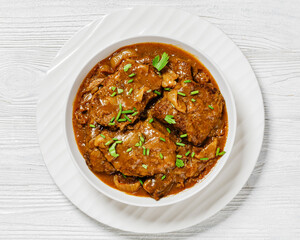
(97, 162)
(199, 119)
(158, 186)
(138, 161)
(105, 106)
(209, 151)
(200, 76)
(181, 67)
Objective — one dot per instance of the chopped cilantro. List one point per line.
(179, 163)
(170, 119)
(158, 63)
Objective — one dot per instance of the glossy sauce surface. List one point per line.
(150, 169)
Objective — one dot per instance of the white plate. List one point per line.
(185, 28)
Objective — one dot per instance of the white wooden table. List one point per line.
(32, 32)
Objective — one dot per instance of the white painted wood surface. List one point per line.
(32, 32)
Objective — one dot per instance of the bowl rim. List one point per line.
(125, 198)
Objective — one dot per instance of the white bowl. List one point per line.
(115, 194)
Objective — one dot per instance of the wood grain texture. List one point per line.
(31, 34)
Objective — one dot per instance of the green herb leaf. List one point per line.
(222, 153)
(120, 90)
(126, 67)
(141, 181)
(204, 159)
(193, 100)
(113, 94)
(145, 166)
(122, 120)
(129, 149)
(157, 92)
(210, 106)
(183, 135)
(112, 149)
(179, 163)
(163, 177)
(193, 154)
(148, 151)
(135, 114)
(132, 75)
(148, 91)
(115, 139)
(167, 89)
(108, 143)
(111, 120)
(120, 112)
(161, 156)
(160, 64)
(127, 118)
(181, 93)
(179, 156)
(130, 81)
(130, 91)
(102, 135)
(218, 150)
(92, 126)
(113, 88)
(144, 151)
(127, 111)
(187, 153)
(123, 175)
(162, 139)
(194, 92)
(180, 144)
(187, 81)
(142, 138)
(169, 131)
(111, 124)
(151, 120)
(170, 119)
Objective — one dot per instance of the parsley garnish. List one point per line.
(126, 67)
(159, 64)
(170, 119)
(112, 149)
(157, 92)
(141, 181)
(132, 75)
(120, 90)
(151, 120)
(163, 177)
(145, 166)
(179, 163)
(92, 126)
(218, 150)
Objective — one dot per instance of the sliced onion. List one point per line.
(172, 97)
(117, 59)
(127, 187)
(169, 79)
